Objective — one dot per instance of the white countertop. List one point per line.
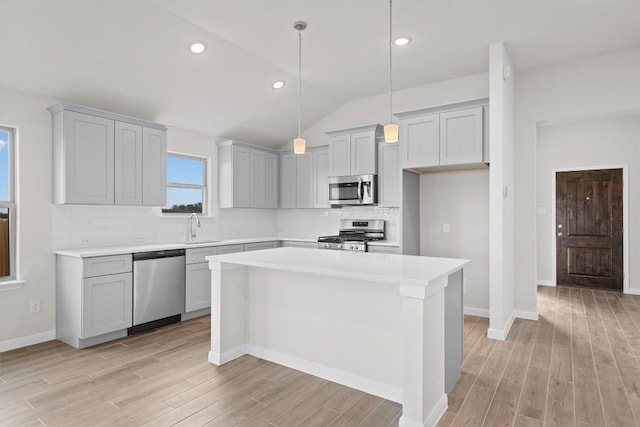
(128, 249)
(371, 267)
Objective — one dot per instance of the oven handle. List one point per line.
(360, 190)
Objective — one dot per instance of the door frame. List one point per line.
(625, 217)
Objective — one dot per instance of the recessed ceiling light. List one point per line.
(401, 41)
(278, 85)
(197, 47)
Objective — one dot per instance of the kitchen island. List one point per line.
(389, 325)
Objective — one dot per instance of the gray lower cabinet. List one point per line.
(106, 304)
(94, 299)
(260, 246)
(298, 244)
(198, 278)
(384, 249)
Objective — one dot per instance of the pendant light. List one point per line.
(391, 129)
(299, 144)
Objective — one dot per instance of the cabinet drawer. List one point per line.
(260, 246)
(229, 249)
(298, 244)
(103, 265)
(197, 255)
(384, 249)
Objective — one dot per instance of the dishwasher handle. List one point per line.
(170, 253)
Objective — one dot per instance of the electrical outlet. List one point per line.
(446, 228)
(138, 238)
(34, 306)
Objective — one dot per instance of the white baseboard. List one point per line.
(28, 340)
(480, 312)
(546, 283)
(328, 373)
(432, 419)
(632, 291)
(501, 334)
(227, 356)
(528, 315)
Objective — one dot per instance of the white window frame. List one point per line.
(204, 187)
(11, 204)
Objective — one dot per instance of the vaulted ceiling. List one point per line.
(131, 56)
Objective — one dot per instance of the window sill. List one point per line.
(7, 285)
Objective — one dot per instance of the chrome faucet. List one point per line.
(192, 228)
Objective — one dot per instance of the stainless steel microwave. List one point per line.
(353, 190)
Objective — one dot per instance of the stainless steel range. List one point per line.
(353, 235)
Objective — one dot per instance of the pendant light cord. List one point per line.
(390, 60)
(299, 79)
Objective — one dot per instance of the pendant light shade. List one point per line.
(390, 129)
(299, 144)
(391, 133)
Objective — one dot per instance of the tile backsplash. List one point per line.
(93, 226)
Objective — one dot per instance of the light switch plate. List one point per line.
(446, 228)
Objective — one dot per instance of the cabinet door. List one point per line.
(420, 141)
(340, 155)
(198, 287)
(241, 177)
(154, 167)
(364, 153)
(128, 164)
(106, 304)
(461, 136)
(230, 249)
(321, 175)
(257, 175)
(248, 247)
(389, 175)
(271, 180)
(288, 186)
(305, 181)
(89, 159)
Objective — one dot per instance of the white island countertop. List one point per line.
(371, 267)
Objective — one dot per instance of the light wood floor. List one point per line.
(579, 365)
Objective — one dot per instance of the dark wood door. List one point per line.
(589, 228)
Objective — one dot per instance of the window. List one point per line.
(7, 204)
(186, 184)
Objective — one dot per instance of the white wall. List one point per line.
(368, 111)
(598, 85)
(501, 222)
(36, 262)
(593, 142)
(460, 199)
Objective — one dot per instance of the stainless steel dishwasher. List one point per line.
(158, 288)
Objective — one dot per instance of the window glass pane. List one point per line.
(185, 171)
(183, 200)
(5, 252)
(4, 166)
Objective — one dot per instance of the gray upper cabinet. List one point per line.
(247, 176)
(271, 180)
(445, 138)
(420, 141)
(257, 173)
(304, 179)
(461, 137)
(354, 151)
(288, 181)
(104, 158)
(128, 164)
(340, 155)
(84, 156)
(321, 172)
(388, 175)
(154, 167)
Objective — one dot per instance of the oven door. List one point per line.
(353, 190)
